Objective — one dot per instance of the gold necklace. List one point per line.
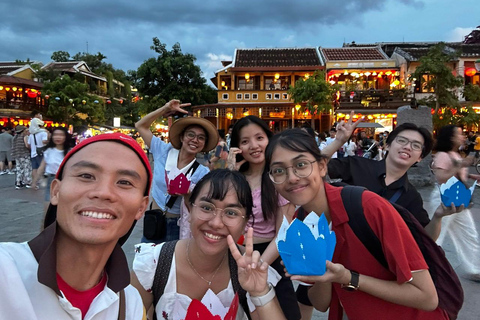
(198, 274)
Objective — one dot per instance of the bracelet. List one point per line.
(260, 301)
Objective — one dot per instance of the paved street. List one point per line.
(21, 213)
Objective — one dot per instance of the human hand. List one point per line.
(174, 106)
(232, 163)
(335, 273)
(252, 271)
(443, 211)
(345, 129)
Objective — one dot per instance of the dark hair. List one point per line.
(34, 113)
(310, 131)
(427, 136)
(220, 181)
(221, 133)
(295, 140)
(269, 207)
(322, 136)
(66, 143)
(444, 140)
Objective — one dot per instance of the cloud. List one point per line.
(458, 34)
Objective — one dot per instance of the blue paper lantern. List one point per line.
(96, 101)
(57, 98)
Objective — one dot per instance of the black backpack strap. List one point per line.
(163, 270)
(352, 201)
(242, 294)
(172, 199)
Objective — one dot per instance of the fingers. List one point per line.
(249, 242)
(233, 248)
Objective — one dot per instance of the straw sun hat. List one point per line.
(179, 126)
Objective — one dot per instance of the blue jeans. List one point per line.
(173, 232)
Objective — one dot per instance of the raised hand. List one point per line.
(174, 106)
(345, 129)
(252, 271)
(232, 163)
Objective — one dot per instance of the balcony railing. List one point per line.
(374, 98)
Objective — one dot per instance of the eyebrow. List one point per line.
(231, 205)
(296, 158)
(409, 139)
(91, 165)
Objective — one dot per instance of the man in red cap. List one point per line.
(75, 268)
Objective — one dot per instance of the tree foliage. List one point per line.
(60, 56)
(171, 75)
(72, 111)
(315, 92)
(444, 101)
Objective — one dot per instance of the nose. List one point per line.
(291, 176)
(217, 221)
(103, 190)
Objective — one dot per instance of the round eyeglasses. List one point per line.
(230, 216)
(417, 146)
(300, 168)
(191, 135)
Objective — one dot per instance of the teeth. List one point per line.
(211, 236)
(96, 215)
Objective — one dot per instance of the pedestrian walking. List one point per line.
(6, 140)
(21, 155)
(460, 227)
(36, 142)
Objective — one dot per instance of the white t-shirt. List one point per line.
(36, 140)
(53, 158)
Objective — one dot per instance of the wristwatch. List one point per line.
(266, 298)
(353, 284)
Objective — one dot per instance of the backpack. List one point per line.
(163, 269)
(449, 288)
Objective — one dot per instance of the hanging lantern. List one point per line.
(96, 101)
(70, 100)
(14, 88)
(277, 76)
(83, 101)
(57, 98)
(7, 89)
(121, 101)
(47, 96)
(471, 72)
(31, 94)
(247, 76)
(108, 101)
(1, 88)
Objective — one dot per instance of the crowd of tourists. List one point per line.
(209, 229)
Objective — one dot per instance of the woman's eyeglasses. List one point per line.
(300, 168)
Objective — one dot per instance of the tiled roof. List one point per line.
(63, 66)
(253, 58)
(414, 52)
(353, 54)
(8, 69)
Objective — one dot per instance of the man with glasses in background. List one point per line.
(406, 145)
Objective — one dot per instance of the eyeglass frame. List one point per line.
(200, 137)
(214, 213)
(294, 172)
(408, 142)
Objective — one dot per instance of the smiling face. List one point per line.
(211, 236)
(405, 156)
(253, 142)
(299, 191)
(193, 139)
(98, 200)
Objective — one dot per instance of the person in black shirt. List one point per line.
(406, 145)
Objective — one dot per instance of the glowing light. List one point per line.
(471, 72)
(247, 76)
(277, 76)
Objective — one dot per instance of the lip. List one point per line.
(296, 188)
(206, 236)
(403, 154)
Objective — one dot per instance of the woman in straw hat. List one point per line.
(188, 136)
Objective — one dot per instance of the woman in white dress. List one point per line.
(221, 204)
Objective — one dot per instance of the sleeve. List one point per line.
(339, 168)
(145, 263)
(273, 278)
(158, 147)
(400, 249)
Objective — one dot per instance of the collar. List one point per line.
(172, 160)
(382, 171)
(44, 249)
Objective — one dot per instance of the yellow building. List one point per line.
(256, 83)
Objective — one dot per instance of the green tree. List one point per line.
(444, 101)
(172, 74)
(315, 92)
(69, 106)
(60, 56)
